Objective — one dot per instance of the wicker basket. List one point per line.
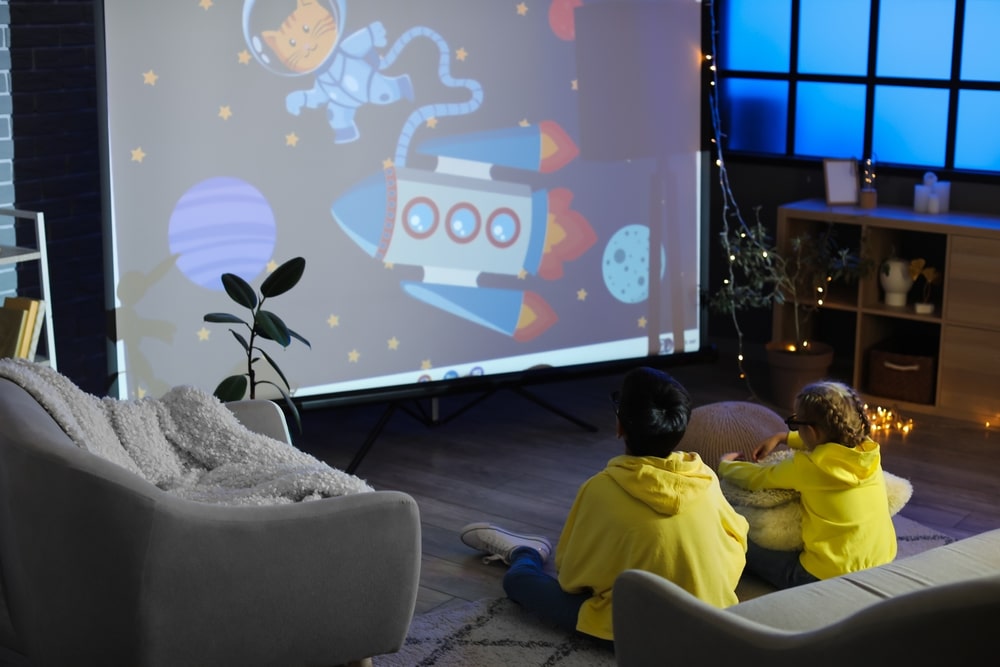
(902, 374)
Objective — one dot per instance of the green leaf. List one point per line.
(233, 388)
(224, 317)
(239, 290)
(270, 326)
(241, 339)
(283, 278)
(295, 335)
(275, 367)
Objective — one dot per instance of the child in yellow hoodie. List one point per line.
(651, 508)
(836, 468)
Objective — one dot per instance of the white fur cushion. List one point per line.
(775, 515)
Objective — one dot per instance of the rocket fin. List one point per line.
(521, 315)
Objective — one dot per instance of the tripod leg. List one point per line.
(551, 408)
(370, 440)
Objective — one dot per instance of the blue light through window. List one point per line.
(910, 125)
(756, 35)
(980, 46)
(830, 119)
(833, 37)
(755, 115)
(915, 38)
(977, 143)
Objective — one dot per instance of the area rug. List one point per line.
(496, 632)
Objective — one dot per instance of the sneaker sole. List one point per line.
(472, 527)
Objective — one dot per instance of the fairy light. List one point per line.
(886, 420)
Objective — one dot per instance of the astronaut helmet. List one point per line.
(293, 37)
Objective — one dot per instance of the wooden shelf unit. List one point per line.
(963, 333)
(19, 254)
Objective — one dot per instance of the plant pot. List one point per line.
(790, 371)
(894, 276)
(923, 308)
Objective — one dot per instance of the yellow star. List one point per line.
(522, 274)
(389, 266)
(393, 343)
(574, 84)
(149, 78)
(522, 9)
(333, 321)
(141, 392)
(387, 163)
(137, 154)
(461, 54)
(432, 122)
(244, 57)
(524, 122)
(642, 322)
(353, 356)
(271, 266)
(203, 333)
(225, 112)
(581, 295)
(291, 139)
(425, 365)
(205, 4)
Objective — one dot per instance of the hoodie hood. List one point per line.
(850, 465)
(665, 485)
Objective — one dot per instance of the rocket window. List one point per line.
(420, 217)
(504, 227)
(463, 223)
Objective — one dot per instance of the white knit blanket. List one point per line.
(187, 443)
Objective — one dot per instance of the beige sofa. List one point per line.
(100, 567)
(939, 606)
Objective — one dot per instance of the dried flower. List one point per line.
(930, 276)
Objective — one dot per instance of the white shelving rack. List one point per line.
(12, 255)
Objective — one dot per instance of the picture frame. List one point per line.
(841, 181)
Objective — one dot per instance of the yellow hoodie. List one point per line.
(846, 525)
(664, 515)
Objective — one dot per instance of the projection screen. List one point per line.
(475, 186)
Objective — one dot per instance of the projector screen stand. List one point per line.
(418, 410)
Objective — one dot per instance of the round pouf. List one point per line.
(729, 426)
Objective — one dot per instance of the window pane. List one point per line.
(756, 35)
(915, 38)
(910, 125)
(833, 37)
(977, 144)
(829, 119)
(754, 115)
(980, 46)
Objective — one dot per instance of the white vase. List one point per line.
(894, 276)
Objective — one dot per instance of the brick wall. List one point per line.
(56, 169)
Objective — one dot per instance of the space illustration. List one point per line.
(427, 159)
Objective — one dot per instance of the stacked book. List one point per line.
(20, 326)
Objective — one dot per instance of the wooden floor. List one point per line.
(509, 460)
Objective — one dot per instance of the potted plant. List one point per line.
(928, 277)
(261, 324)
(760, 275)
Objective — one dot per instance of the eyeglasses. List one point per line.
(792, 423)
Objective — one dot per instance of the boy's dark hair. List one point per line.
(654, 410)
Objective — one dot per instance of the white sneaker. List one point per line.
(500, 542)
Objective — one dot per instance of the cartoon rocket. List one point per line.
(457, 222)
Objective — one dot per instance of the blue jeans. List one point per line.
(780, 568)
(527, 584)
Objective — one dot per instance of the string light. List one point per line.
(885, 421)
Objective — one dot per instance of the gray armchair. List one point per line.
(99, 567)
